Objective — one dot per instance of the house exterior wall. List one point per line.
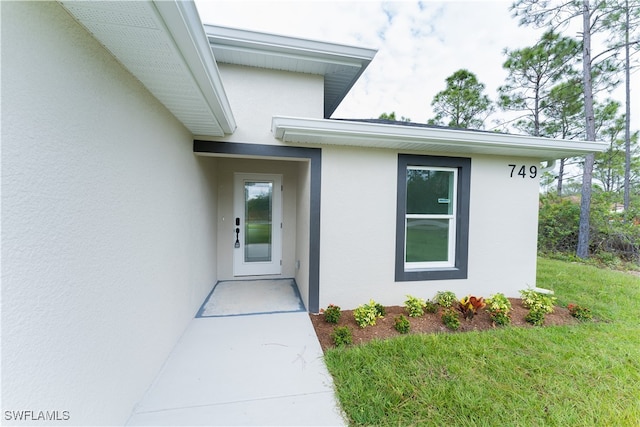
(256, 95)
(302, 230)
(107, 223)
(359, 188)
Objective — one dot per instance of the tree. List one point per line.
(622, 20)
(541, 13)
(563, 107)
(462, 103)
(532, 73)
(609, 165)
(392, 116)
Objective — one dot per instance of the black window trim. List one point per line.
(459, 271)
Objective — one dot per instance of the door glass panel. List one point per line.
(430, 191)
(427, 240)
(258, 218)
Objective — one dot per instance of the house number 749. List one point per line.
(532, 172)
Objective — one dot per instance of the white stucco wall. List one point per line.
(256, 95)
(358, 230)
(302, 230)
(108, 230)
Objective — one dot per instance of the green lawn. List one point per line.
(584, 375)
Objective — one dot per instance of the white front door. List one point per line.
(257, 224)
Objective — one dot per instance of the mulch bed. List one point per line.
(429, 323)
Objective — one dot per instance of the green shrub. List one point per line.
(445, 298)
(366, 315)
(558, 220)
(499, 309)
(430, 307)
(342, 336)
(500, 318)
(450, 319)
(579, 312)
(414, 306)
(401, 324)
(381, 310)
(536, 301)
(614, 236)
(535, 317)
(332, 314)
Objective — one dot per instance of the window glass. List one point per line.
(430, 191)
(427, 240)
(430, 217)
(258, 224)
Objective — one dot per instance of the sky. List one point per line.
(419, 45)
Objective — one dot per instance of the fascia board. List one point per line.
(183, 23)
(333, 60)
(288, 45)
(292, 129)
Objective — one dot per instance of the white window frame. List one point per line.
(451, 242)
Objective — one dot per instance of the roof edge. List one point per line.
(274, 42)
(377, 135)
(185, 26)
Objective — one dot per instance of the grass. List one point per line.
(584, 375)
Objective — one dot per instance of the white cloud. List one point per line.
(419, 44)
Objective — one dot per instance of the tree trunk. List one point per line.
(560, 177)
(587, 177)
(627, 124)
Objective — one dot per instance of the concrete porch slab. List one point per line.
(241, 297)
(262, 369)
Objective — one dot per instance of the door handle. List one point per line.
(237, 244)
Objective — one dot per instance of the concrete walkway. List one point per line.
(251, 370)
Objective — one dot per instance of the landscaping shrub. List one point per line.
(415, 306)
(499, 308)
(381, 310)
(537, 301)
(366, 315)
(430, 307)
(535, 317)
(445, 299)
(332, 314)
(401, 324)
(470, 305)
(450, 319)
(579, 312)
(342, 336)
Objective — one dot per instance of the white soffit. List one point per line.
(428, 139)
(341, 65)
(163, 45)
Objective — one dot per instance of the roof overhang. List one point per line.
(341, 65)
(427, 139)
(163, 44)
